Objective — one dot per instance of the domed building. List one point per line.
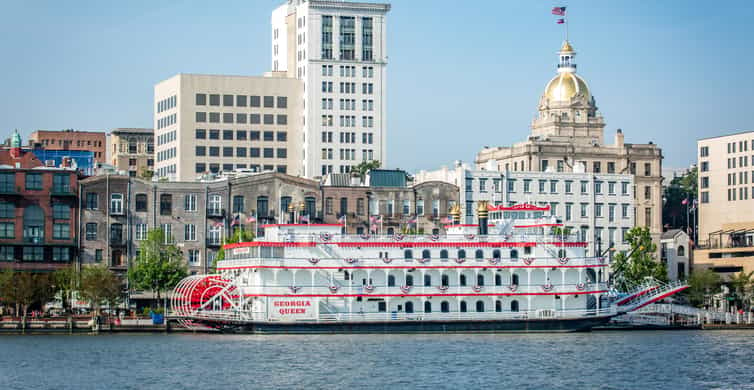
(568, 133)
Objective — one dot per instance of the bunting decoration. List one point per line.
(460, 260)
(313, 260)
(528, 260)
(350, 260)
(563, 260)
(494, 260)
(333, 289)
(405, 289)
(434, 237)
(369, 288)
(477, 288)
(547, 287)
(364, 236)
(581, 286)
(294, 289)
(422, 260)
(325, 237)
(601, 260)
(387, 260)
(470, 236)
(513, 287)
(398, 237)
(442, 288)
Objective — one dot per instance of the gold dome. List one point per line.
(565, 86)
(567, 48)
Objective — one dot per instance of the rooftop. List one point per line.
(132, 130)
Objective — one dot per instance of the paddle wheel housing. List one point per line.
(209, 297)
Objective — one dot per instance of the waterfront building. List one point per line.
(675, 253)
(568, 130)
(94, 141)
(38, 211)
(216, 123)
(131, 150)
(597, 206)
(726, 203)
(387, 196)
(338, 50)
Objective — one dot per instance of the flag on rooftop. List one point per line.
(561, 21)
(559, 11)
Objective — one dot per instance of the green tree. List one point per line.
(159, 266)
(741, 285)
(24, 289)
(238, 235)
(702, 284)
(146, 173)
(100, 286)
(630, 269)
(66, 281)
(680, 188)
(365, 166)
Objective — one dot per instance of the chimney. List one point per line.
(619, 138)
(482, 213)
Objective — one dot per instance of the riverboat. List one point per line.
(515, 272)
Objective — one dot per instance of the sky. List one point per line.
(459, 77)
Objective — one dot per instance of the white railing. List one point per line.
(309, 289)
(383, 263)
(464, 316)
(471, 238)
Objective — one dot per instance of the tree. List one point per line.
(365, 166)
(100, 286)
(701, 285)
(239, 235)
(159, 266)
(146, 173)
(66, 281)
(741, 285)
(680, 188)
(630, 269)
(24, 289)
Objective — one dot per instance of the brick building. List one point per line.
(94, 141)
(132, 150)
(38, 212)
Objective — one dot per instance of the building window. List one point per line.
(116, 204)
(647, 169)
(347, 37)
(8, 182)
(141, 202)
(166, 204)
(189, 232)
(194, 257)
(326, 37)
(167, 231)
(61, 184)
(366, 39)
(201, 99)
(7, 230)
(141, 231)
(33, 253)
(263, 207)
(61, 231)
(61, 211)
(238, 202)
(189, 202)
(34, 181)
(7, 210)
(201, 134)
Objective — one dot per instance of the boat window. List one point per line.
(409, 280)
(408, 254)
(514, 254)
(444, 254)
(462, 280)
(498, 306)
(444, 306)
(425, 254)
(479, 254)
(498, 280)
(514, 279)
(561, 253)
(381, 307)
(390, 231)
(514, 305)
(463, 306)
(479, 306)
(496, 254)
(527, 250)
(480, 280)
(427, 307)
(445, 280)
(435, 231)
(461, 254)
(591, 277)
(427, 280)
(409, 307)
(391, 280)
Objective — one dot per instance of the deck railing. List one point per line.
(316, 237)
(243, 260)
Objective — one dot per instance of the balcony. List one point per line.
(214, 243)
(62, 191)
(215, 213)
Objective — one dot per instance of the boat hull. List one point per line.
(497, 326)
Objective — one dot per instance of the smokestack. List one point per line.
(455, 213)
(482, 213)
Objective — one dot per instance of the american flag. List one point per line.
(304, 218)
(218, 224)
(560, 21)
(412, 220)
(559, 11)
(446, 220)
(342, 219)
(251, 219)
(236, 220)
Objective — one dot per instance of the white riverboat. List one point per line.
(509, 273)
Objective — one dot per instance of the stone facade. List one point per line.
(132, 150)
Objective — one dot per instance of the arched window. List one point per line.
(591, 277)
(514, 279)
(445, 281)
(462, 280)
(480, 280)
(461, 254)
(479, 306)
(463, 306)
(427, 280)
(444, 306)
(390, 231)
(391, 280)
(409, 307)
(425, 254)
(498, 306)
(435, 231)
(444, 254)
(514, 306)
(496, 254)
(514, 254)
(263, 207)
(498, 280)
(479, 254)
(408, 254)
(409, 280)
(427, 307)
(681, 250)
(34, 224)
(561, 253)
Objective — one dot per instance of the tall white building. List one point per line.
(597, 206)
(338, 49)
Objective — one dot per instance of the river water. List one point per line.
(599, 360)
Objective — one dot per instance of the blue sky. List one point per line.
(459, 77)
